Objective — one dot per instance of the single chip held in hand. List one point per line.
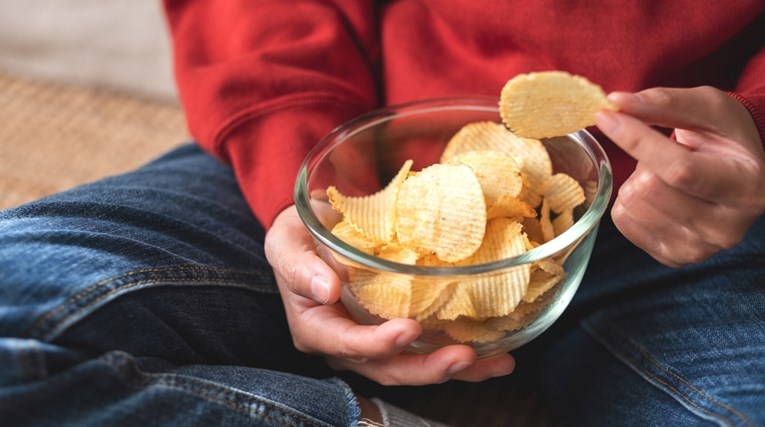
(550, 103)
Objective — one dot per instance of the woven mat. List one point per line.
(54, 137)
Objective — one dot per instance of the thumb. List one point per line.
(291, 252)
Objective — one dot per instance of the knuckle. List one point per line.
(727, 239)
(681, 174)
(661, 97)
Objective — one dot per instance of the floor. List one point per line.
(56, 136)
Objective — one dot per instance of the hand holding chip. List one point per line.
(691, 198)
(320, 324)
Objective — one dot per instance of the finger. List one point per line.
(706, 176)
(341, 337)
(671, 243)
(456, 361)
(291, 252)
(687, 108)
(645, 193)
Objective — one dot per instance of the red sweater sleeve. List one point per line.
(750, 90)
(262, 81)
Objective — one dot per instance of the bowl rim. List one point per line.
(581, 227)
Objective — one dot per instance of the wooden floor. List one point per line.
(54, 137)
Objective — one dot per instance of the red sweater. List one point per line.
(263, 81)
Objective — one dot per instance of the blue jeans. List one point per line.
(146, 299)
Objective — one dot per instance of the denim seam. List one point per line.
(235, 399)
(635, 366)
(38, 329)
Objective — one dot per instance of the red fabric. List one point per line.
(262, 81)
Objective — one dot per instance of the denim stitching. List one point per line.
(38, 328)
(238, 400)
(634, 347)
(683, 380)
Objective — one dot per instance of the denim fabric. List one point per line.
(145, 299)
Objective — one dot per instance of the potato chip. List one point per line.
(428, 296)
(545, 223)
(483, 136)
(496, 172)
(386, 295)
(524, 314)
(467, 330)
(541, 282)
(458, 304)
(533, 230)
(442, 211)
(563, 221)
(548, 266)
(550, 103)
(562, 192)
(352, 236)
(382, 294)
(499, 293)
(508, 206)
(372, 215)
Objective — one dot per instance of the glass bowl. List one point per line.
(361, 156)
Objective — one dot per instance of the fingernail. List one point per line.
(320, 289)
(405, 339)
(621, 98)
(457, 367)
(606, 121)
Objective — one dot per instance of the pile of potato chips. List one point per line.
(493, 195)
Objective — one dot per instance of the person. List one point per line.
(188, 292)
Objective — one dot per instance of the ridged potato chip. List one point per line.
(428, 296)
(352, 236)
(545, 222)
(442, 211)
(508, 206)
(498, 294)
(541, 282)
(387, 295)
(563, 221)
(373, 215)
(496, 172)
(468, 330)
(550, 103)
(562, 192)
(485, 136)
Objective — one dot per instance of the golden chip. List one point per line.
(545, 223)
(508, 206)
(372, 215)
(541, 282)
(496, 172)
(386, 295)
(442, 211)
(482, 136)
(428, 296)
(550, 103)
(352, 236)
(562, 192)
(459, 304)
(468, 330)
(563, 221)
(533, 230)
(499, 293)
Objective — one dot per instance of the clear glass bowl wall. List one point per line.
(361, 156)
